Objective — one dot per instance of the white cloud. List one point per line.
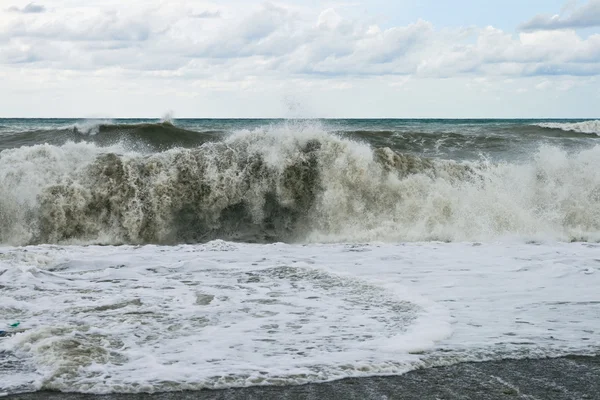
(275, 39)
(181, 48)
(545, 84)
(585, 16)
(329, 20)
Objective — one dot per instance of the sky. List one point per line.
(300, 58)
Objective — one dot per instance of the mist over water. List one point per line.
(300, 181)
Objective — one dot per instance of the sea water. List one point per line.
(147, 256)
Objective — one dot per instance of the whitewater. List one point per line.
(148, 256)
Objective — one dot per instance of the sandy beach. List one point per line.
(567, 378)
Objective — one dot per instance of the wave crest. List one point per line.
(589, 127)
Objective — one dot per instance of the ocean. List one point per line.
(166, 255)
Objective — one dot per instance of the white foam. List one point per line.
(91, 127)
(590, 127)
(553, 195)
(146, 319)
(26, 171)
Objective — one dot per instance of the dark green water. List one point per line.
(454, 139)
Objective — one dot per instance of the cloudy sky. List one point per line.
(300, 58)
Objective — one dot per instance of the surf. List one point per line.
(293, 183)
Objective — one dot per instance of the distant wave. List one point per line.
(90, 127)
(283, 183)
(153, 136)
(162, 133)
(589, 127)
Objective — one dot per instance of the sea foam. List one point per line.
(590, 127)
(295, 184)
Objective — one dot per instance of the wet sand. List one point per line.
(567, 378)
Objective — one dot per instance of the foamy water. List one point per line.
(147, 319)
(590, 127)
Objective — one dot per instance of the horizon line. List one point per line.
(310, 118)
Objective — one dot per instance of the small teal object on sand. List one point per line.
(15, 324)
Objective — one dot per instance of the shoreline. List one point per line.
(568, 378)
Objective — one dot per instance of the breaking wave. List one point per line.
(588, 127)
(289, 183)
(142, 136)
(159, 135)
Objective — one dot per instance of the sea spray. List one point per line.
(591, 127)
(290, 183)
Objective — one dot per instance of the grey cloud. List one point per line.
(17, 52)
(266, 32)
(397, 42)
(207, 14)
(562, 70)
(31, 8)
(18, 57)
(586, 16)
(108, 26)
